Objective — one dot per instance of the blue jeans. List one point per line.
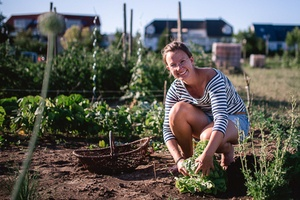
(241, 122)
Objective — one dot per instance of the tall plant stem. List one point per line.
(37, 123)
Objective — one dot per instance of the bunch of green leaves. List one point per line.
(143, 119)
(10, 107)
(214, 183)
(154, 120)
(67, 114)
(26, 112)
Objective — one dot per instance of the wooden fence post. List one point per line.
(179, 29)
(124, 37)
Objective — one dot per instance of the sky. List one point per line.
(240, 14)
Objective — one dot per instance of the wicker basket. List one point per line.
(114, 159)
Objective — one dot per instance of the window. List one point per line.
(21, 23)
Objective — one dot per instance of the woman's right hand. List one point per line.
(181, 168)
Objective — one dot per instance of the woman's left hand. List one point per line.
(205, 164)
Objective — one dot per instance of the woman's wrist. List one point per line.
(180, 158)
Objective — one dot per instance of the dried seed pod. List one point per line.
(51, 23)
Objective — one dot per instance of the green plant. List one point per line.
(26, 113)
(267, 179)
(102, 144)
(147, 80)
(212, 184)
(2, 116)
(29, 187)
(153, 122)
(2, 140)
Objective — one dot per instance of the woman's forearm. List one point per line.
(214, 143)
(173, 149)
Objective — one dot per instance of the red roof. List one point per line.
(86, 20)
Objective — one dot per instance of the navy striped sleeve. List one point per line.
(218, 96)
(171, 99)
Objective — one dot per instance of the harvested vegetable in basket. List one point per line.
(212, 184)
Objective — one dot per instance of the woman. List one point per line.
(202, 104)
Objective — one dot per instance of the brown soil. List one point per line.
(61, 176)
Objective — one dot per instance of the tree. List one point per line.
(3, 29)
(293, 40)
(164, 39)
(71, 36)
(253, 44)
(25, 42)
(80, 36)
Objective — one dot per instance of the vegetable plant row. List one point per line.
(75, 115)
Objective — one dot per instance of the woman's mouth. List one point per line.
(182, 73)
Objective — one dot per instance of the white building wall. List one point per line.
(151, 43)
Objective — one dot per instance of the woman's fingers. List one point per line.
(205, 168)
(184, 172)
(182, 169)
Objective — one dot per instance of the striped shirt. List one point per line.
(220, 99)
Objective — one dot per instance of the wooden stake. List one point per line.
(179, 28)
(165, 91)
(130, 34)
(154, 170)
(124, 37)
(249, 102)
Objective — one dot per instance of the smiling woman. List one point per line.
(200, 104)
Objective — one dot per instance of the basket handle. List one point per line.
(111, 144)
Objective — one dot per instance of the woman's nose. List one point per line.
(178, 66)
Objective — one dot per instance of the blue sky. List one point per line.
(239, 13)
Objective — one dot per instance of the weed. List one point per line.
(29, 186)
(267, 179)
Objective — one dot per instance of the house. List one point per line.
(274, 35)
(201, 32)
(24, 22)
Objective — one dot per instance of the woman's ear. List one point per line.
(192, 59)
(167, 67)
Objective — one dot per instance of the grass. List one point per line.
(277, 84)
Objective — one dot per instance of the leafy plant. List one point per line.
(212, 184)
(26, 113)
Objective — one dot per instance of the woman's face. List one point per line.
(179, 64)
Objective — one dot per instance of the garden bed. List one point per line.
(59, 175)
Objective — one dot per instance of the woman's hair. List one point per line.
(173, 46)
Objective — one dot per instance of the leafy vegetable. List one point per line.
(212, 184)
